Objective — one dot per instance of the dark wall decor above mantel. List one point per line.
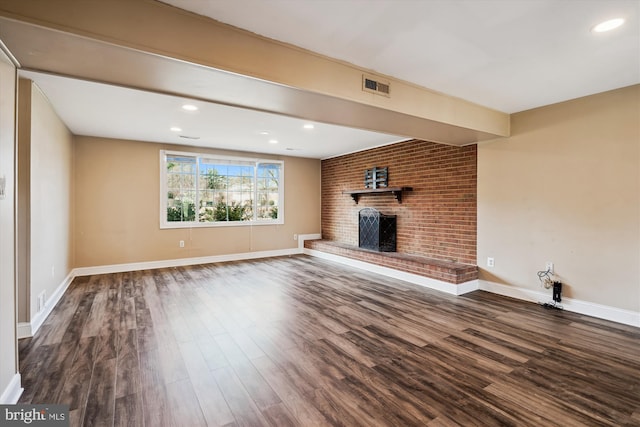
(376, 181)
(376, 178)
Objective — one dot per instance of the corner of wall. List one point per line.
(11, 394)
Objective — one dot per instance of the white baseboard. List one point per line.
(12, 392)
(303, 237)
(466, 287)
(614, 314)
(416, 279)
(24, 330)
(28, 329)
(181, 262)
(38, 319)
(600, 311)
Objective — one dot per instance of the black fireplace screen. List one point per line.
(376, 230)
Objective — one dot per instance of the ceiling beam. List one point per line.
(153, 46)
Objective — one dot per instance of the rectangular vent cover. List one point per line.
(374, 85)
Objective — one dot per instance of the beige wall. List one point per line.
(565, 187)
(118, 201)
(51, 200)
(8, 342)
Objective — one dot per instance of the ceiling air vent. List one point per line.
(375, 85)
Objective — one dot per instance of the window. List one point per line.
(206, 190)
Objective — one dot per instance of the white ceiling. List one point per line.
(125, 113)
(510, 55)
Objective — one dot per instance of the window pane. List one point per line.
(227, 191)
(268, 182)
(181, 188)
(208, 190)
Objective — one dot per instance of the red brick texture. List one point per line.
(451, 272)
(436, 220)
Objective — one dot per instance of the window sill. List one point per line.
(169, 225)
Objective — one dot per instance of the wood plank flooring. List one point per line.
(298, 341)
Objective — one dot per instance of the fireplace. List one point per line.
(376, 230)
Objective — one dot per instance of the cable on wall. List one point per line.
(547, 280)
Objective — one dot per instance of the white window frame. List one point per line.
(228, 159)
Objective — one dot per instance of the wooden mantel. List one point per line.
(396, 191)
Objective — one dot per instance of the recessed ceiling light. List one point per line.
(264, 132)
(608, 25)
(189, 107)
(175, 129)
(308, 126)
(189, 137)
(273, 141)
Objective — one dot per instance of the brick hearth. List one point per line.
(447, 271)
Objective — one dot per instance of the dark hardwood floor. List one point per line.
(303, 342)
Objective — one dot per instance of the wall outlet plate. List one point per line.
(549, 267)
(491, 262)
(42, 299)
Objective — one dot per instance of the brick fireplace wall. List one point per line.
(436, 220)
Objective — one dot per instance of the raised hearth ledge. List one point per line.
(451, 277)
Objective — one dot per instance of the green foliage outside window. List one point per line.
(182, 211)
(225, 212)
(214, 180)
(230, 212)
(200, 189)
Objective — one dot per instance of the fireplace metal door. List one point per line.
(376, 231)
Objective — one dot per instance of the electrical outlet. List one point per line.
(549, 267)
(490, 262)
(42, 299)
(181, 243)
(295, 237)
